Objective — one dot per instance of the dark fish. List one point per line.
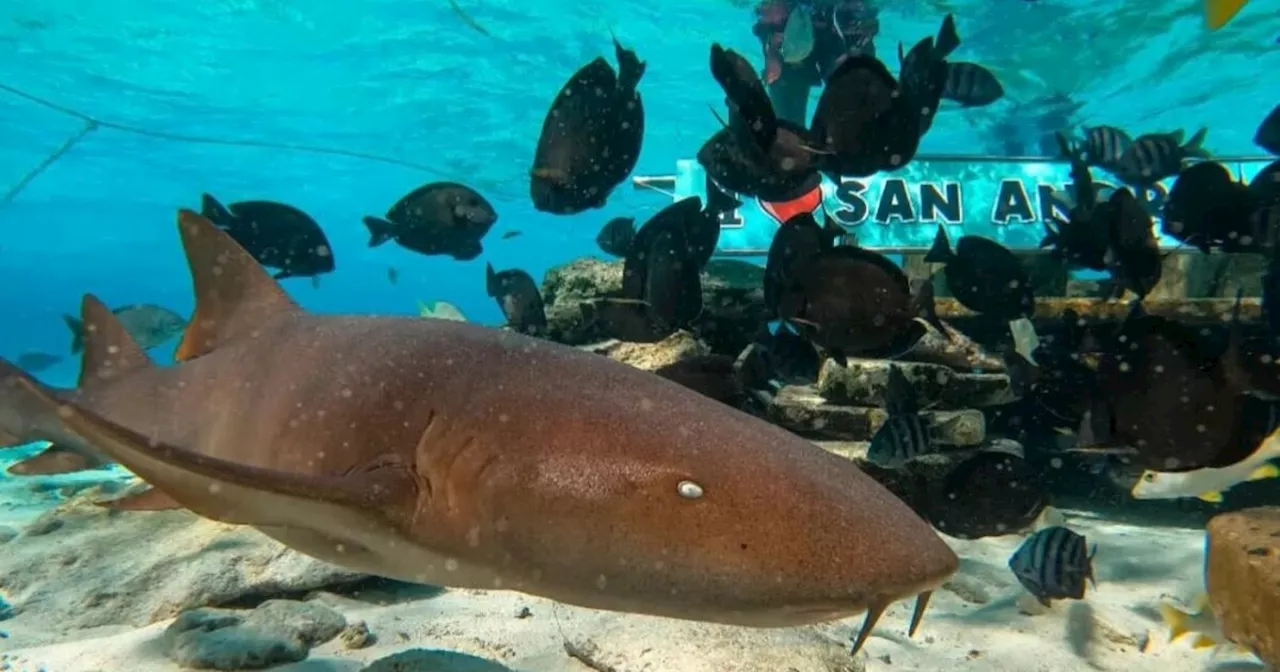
(990, 494)
(436, 218)
(36, 362)
(781, 357)
(1052, 564)
(709, 375)
(1268, 135)
(795, 245)
(859, 121)
(756, 153)
(1166, 391)
(905, 434)
(591, 136)
(393, 276)
(1134, 260)
(508, 235)
(277, 235)
(750, 111)
(1083, 239)
(948, 39)
(856, 302)
(616, 235)
(661, 275)
(1156, 156)
(971, 85)
(673, 283)
(1104, 145)
(518, 297)
(150, 325)
(1208, 208)
(923, 78)
(785, 171)
(794, 358)
(984, 276)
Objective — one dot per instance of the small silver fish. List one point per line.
(797, 37)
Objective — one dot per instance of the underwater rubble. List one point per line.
(960, 379)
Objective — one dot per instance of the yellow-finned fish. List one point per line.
(1198, 620)
(1217, 13)
(1209, 483)
(441, 310)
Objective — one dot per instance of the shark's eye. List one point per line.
(1150, 477)
(689, 490)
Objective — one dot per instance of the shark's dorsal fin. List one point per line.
(234, 293)
(109, 350)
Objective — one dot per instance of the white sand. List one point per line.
(975, 624)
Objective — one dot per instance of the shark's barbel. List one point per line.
(448, 453)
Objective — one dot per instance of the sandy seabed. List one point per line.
(63, 578)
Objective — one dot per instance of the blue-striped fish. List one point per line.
(1052, 564)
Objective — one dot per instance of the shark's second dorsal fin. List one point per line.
(234, 293)
(109, 350)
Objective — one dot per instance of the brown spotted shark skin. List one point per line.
(448, 453)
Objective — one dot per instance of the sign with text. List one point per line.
(1002, 199)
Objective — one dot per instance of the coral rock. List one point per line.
(1242, 573)
(863, 382)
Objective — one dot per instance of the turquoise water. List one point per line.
(409, 81)
(342, 108)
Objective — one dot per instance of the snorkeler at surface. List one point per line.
(840, 28)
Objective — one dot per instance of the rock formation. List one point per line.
(1242, 574)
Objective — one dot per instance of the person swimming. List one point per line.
(800, 57)
(840, 28)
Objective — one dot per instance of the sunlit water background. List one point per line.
(407, 80)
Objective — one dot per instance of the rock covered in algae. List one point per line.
(803, 410)
(278, 631)
(863, 383)
(101, 568)
(673, 349)
(1242, 574)
(732, 299)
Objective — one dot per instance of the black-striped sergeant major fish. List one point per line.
(906, 434)
(1052, 564)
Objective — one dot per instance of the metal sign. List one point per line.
(1005, 199)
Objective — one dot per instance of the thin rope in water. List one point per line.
(92, 123)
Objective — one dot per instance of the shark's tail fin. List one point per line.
(24, 420)
(109, 352)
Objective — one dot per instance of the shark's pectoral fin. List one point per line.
(352, 508)
(56, 460)
(151, 499)
(874, 612)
